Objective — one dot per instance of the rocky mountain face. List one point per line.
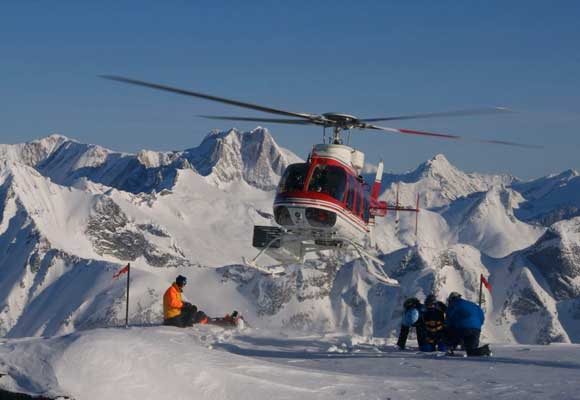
(72, 214)
(222, 157)
(231, 156)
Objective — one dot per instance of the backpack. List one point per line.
(434, 317)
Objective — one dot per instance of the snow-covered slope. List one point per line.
(486, 221)
(71, 214)
(209, 363)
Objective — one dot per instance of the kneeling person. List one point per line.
(434, 321)
(411, 319)
(464, 322)
(177, 312)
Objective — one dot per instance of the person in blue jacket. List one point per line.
(411, 319)
(464, 321)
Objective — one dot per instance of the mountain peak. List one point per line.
(216, 134)
(436, 167)
(231, 155)
(56, 137)
(438, 162)
(33, 152)
(440, 158)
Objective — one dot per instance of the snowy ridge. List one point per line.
(33, 152)
(439, 183)
(550, 199)
(223, 158)
(486, 221)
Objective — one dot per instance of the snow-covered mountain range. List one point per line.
(71, 214)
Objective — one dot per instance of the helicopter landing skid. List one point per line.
(372, 263)
(375, 269)
(275, 270)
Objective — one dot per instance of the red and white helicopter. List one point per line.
(324, 203)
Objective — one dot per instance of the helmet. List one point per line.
(430, 299)
(453, 296)
(411, 302)
(181, 280)
(410, 317)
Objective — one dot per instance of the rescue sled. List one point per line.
(229, 321)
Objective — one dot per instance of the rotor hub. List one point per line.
(344, 121)
(340, 122)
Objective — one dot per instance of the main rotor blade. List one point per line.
(457, 113)
(448, 136)
(208, 97)
(272, 120)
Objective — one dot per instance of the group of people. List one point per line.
(438, 326)
(444, 327)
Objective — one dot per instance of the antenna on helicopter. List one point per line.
(397, 204)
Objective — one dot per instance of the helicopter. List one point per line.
(325, 203)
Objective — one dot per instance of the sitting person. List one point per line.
(177, 312)
(411, 318)
(433, 315)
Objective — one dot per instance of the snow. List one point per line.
(486, 220)
(207, 362)
(72, 214)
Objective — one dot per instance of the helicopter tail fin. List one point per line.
(378, 179)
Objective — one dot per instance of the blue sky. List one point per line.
(367, 58)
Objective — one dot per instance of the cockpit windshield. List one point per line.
(328, 179)
(294, 178)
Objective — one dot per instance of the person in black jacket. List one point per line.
(433, 315)
(411, 318)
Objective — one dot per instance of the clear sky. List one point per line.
(367, 58)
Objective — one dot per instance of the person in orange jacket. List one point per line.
(177, 312)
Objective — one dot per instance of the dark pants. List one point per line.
(404, 333)
(186, 318)
(434, 341)
(468, 337)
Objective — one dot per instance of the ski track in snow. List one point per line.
(211, 363)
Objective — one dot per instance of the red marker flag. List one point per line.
(485, 282)
(122, 271)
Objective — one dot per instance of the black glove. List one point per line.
(186, 305)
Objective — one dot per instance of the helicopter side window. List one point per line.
(294, 178)
(351, 193)
(328, 179)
